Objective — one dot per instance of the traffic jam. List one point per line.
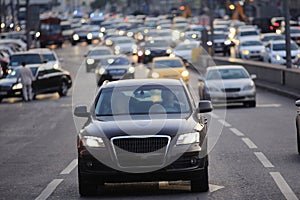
(155, 115)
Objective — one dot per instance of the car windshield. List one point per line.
(186, 47)
(248, 33)
(168, 64)
(125, 41)
(251, 43)
(115, 61)
(218, 74)
(273, 37)
(16, 60)
(49, 57)
(14, 73)
(143, 100)
(99, 52)
(220, 36)
(157, 43)
(295, 30)
(282, 47)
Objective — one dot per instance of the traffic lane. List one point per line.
(271, 127)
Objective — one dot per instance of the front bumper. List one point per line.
(232, 97)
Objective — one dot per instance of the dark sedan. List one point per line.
(143, 130)
(298, 125)
(48, 80)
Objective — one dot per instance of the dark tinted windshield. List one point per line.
(49, 29)
(99, 52)
(251, 43)
(115, 61)
(168, 64)
(248, 33)
(14, 73)
(282, 47)
(16, 60)
(49, 57)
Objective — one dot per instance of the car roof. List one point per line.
(225, 67)
(140, 82)
(41, 50)
(165, 58)
(25, 53)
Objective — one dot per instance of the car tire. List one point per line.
(200, 184)
(63, 91)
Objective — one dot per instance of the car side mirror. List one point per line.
(81, 111)
(297, 103)
(205, 106)
(253, 76)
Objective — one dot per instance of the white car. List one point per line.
(49, 56)
(266, 37)
(184, 50)
(250, 49)
(94, 57)
(229, 84)
(246, 34)
(276, 52)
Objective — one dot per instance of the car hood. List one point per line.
(129, 127)
(8, 81)
(229, 83)
(252, 48)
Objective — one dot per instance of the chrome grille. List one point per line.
(231, 89)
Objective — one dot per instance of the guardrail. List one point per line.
(278, 76)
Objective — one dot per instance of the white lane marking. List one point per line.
(70, 167)
(263, 159)
(214, 115)
(49, 189)
(249, 143)
(283, 186)
(213, 188)
(224, 123)
(237, 132)
(268, 105)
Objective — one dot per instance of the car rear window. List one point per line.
(16, 60)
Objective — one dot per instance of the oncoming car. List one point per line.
(94, 56)
(168, 67)
(132, 135)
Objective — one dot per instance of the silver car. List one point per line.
(228, 84)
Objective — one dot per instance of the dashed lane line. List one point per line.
(263, 159)
(237, 132)
(249, 143)
(283, 186)
(70, 167)
(224, 123)
(49, 189)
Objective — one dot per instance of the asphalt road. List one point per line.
(252, 150)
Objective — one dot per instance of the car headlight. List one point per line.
(147, 52)
(102, 71)
(209, 43)
(17, 86)
(131, 70)
(155, 75)
(188, 138)
(89, 36)
(249, 86)
(245, 52)
(102, 29)
(55, 66)
(212, 89)
(75, 37)
(277, 57)
(92, 141)
(130, 34)
(227, 42)
(169, 51)
(101, 35)
(185, 73)
(90, 61)
(140, 53)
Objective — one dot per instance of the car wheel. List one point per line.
(200, 184)
(63, 89)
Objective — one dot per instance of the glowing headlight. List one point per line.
(89, 36)
(75, 37)
(185, 73)
(155, 75)
(249, 86)
(130, 34)
(37, 34)
(147, 52)
(245, 52)
(188, 138)
(102, 29)
(17, 86)
(227, 42)
(102, 71)
(90, 61)
(209, 43)
(277, 57)
(101, 35)
(131, 70)
(117, 48)
(140, 53)
(55, 66)
(169, 51)
(91, 141)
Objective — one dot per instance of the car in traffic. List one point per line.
(26, 56)
(276, 52)
(184, 49)
(81, 34)
(114, 67)
(250, 49)
(298, 125)
(169, 67)
(94, 56)
(124, 45)
(49, 56)
(226, 84)
(47, 80)
(266, 37)
(132, 136)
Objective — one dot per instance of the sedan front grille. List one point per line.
(231, 89)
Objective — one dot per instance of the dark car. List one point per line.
(298, 125)
(81, 34)
(47, 80)
(114, 67)
(143, 130)
(154, 48)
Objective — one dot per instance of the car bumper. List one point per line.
(241, 97)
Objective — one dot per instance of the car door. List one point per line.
(54, 79)
(40, 84)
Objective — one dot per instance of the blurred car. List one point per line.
(246, 33)
(81, 34)
(221, 43)
(168, 67)
(49, 56)
(295, 33)
(276, 52)
(266, 37)
(47, 80)
(153, 48)
(124, 45)
(298, 125)
(228, 84)
(250, 49)
(67, 30)
(114, 67)
(120, 140)
(94, 57)
(184, 49)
